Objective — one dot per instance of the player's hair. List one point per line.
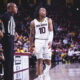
(36, 13)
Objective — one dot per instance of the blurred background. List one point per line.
(66, 24)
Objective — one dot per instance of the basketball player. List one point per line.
(42, 30)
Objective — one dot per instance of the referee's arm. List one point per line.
(1, 33)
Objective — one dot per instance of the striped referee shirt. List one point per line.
(8, 24)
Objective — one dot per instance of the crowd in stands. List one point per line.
(21, 43)
(66, 34)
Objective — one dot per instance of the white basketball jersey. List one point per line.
(41, 29)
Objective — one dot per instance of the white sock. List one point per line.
(40, 77)
(47, 68)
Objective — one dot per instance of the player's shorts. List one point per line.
(42, 49)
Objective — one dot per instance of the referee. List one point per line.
(7, 31)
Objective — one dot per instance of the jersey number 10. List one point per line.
(42, 30)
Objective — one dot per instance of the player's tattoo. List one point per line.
(32, 33)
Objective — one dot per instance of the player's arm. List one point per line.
(50, 39)
(1, 33)
(32, 34)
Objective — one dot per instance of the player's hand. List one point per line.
(1, 34)
(49, 45)
(31, 49)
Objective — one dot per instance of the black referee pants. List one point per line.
(8, 50)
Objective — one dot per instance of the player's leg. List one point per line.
(39, 56)
(39, 66)
(39, 61)
(46, 74)
(48, 65)
(47, 59)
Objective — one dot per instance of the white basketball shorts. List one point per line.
(42, 49)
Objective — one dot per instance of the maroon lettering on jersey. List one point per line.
(42, 30)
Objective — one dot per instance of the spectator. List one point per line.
(70, 54)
